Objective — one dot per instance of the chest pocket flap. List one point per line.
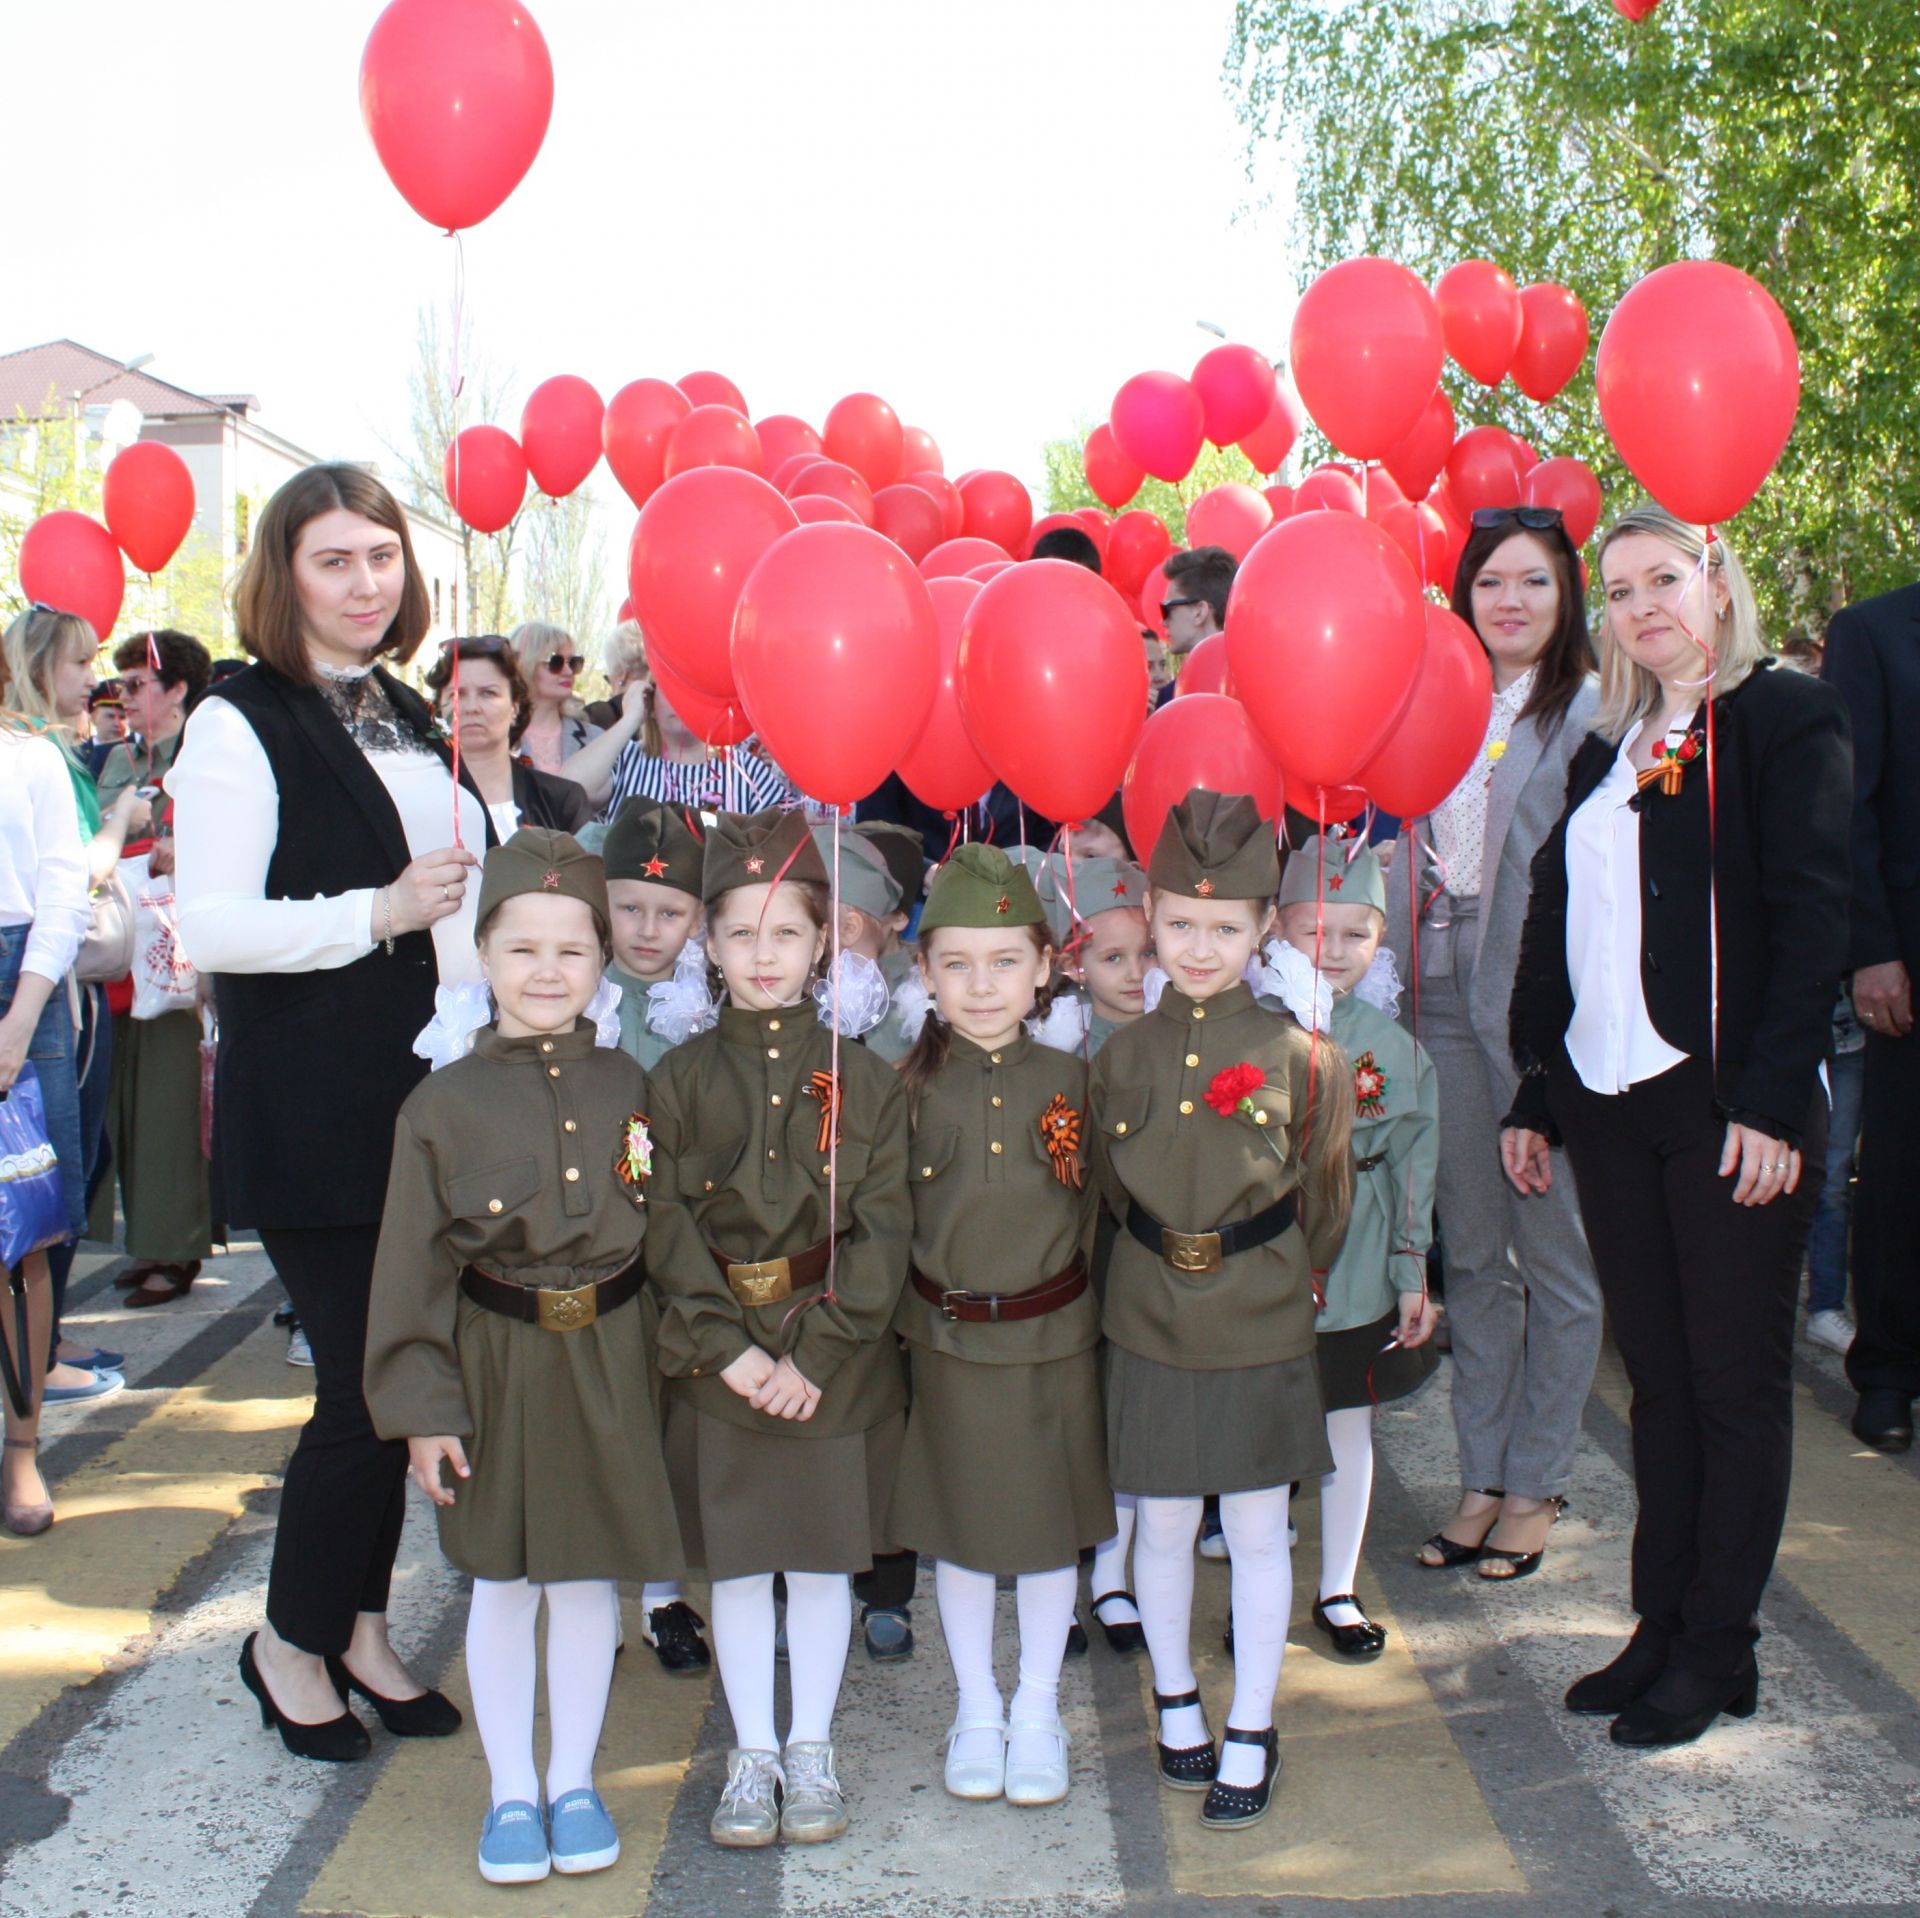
(700, 1173)
(933, 1152)
(1123, 1112)
(498, 1189)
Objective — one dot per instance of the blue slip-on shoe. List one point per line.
(513, 1845)
(888, 1630)
(101, 1385)
(580, 1834)
(99, 1360)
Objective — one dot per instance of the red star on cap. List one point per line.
(1335, 880)
(756, 864)
(549, 878)
(656, 868)
(1205, 889)
(1003, 904)
(1119, 888)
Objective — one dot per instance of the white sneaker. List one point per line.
(1832, 1329)
(299, 1352)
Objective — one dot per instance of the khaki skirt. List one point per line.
(753, 1502)
(1175, 1433)
(568, 1476)
(1356, 1370)
(1004, 1468)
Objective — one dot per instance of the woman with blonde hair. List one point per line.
(1682, 953)
(558, 726)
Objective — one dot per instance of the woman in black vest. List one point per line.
(322, 882)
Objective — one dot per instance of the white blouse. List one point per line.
(226, 812)
(1460, 819)
(1612, 1041)
(43, 864)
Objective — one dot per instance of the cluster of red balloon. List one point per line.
(69, 560)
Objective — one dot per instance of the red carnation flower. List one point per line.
(1230, 1085)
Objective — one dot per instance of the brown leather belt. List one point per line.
(551, 1308)
(1002, 1308)
(1368, 1164)
(758, 1282)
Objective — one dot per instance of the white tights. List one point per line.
(1256, 1527)
(1345, 1494)
(1044, 1604)
(581, 1623)
(819, 1624)
(1110, 1565)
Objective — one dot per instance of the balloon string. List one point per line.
(453, 687)
(456, 382)
(1701, 573)
(1079, 934)
(1313, 1010)
(833, 1067)
(958, 822)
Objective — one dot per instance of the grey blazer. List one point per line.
(1524, 802)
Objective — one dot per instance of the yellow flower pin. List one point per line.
(1497, 750)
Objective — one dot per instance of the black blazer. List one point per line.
(1781, 872)
(549, 799)
(313, 1067)
(1873, 660)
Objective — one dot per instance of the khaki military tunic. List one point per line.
(505, 1160)
(637, 1039)
(1004, 1468)
(738, 1113)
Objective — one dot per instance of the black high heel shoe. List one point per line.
(1234, 1807)
(1364, 1640)
(1185, 1767)
(431, 1715)
(338, 1741)
(1686, 1707)
(1452, 1553)
(1523, 1564)
(1128, 1636)
(1611, 1689)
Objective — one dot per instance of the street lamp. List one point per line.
(106, 379)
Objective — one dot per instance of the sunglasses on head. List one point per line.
(1168, 607)
(565, 663)
(475, 644)
(1536, 519)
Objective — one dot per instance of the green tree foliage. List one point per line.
(1569, 144)
(564, 564)
(1067, 488)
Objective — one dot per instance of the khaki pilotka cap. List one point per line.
(1071, 898)
(981, 886)
(866, 883)
(652, 841)
(905, 853)
(1216, 846)
(1352, 874)
(538, 859)
(755, 849)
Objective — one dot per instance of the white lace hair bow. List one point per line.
(460, 1011)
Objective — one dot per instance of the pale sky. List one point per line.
(991, 213)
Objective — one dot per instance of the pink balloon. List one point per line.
(1158, 423)
(811, 509)
(1487, 467)
(711, 389)
(1199, 739)
(1327, 489)
(1281, 498)
(988, 569)
(910, 517)
(1206, 670)
(997, 507)
(1233, 516)
(639, 420)
(1570, 485)
(782, 436)
(1236, 385)
(713, 436)
(946, 496)
(1136, 543)
(943, 768)
(863, 431)
(920, 451)
(1367, 353)
(1419, 459)
(955, 556)
(837, 482)
(1109, 472)
(1268, 445)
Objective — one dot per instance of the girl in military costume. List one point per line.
(781, 1226)
(1004, 1471)
(1222, 1136)
(1377, 1321)
(504, 1344)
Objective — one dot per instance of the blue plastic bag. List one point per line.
(33, 1209)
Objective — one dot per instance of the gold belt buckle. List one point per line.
(1192, 1252)
(567, 1311)
(763, 1282)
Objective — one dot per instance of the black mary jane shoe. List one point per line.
(1609, 1691)
(1680, 1707)
(336, 1741)
(1234, 1807)
(1361, 1641)
(431, 1715)
(673, 1630)
(1452, 1553)
(1186, 1767)
(1124, 1638)
(1077, 1646)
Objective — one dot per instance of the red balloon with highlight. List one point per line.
(147, 502)
(560, 433)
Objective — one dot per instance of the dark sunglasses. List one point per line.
(565, 663)
(1168, 607)
(1536, 519)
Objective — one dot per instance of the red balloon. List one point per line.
(639, 420)
(1233, 516)
(836, 482)
(1203, 739)
(711, 389)
(1136, 543)
(486, 476)
(920, 451)
(70, 562)
(953, 557)
(1112, 476)
(1153, 589)
(147, 502)
(625, 613)
(1382, 491)
(943, 768)
(1420, 533)
(1635, 10)
(1480, 318)
(1570, 485)
(997, 507)
(810, 509)
(1367, 353)
(1324, 634)
(987, 569)
(836, 648)
(1698, 378)
(1444, 725)
(784, 472)
(1281, 498)
(1553, 340)
(864, 432)
(1268, 445)
(1158, 423)
(1053, 685)
(1486, 468)
(456, 95)
(694, 544)
(782, 436)
(946, 496)
(1236, 388)
(713, 436)
(716, 722)
(1205, 670)
(910, 517)
(1419, 459)
(1327, 489)
(560, 433)
(1052, 523)
(1333, 805)
(1097, 526)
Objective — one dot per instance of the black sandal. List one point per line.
(1364, 1640)
(1523, 1563)
(1452, 1553)
(1130, 1635)
(1185, 1767)
(1233, 1807)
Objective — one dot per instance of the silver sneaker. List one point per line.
(1832, 1329)
(748, 1814)
(816, 1809)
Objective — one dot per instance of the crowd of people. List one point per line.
(1019, 1198)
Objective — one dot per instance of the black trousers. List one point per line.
(1886, 1221)
(344, 1497)
(1701, 1295)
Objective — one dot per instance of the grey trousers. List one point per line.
(1523, 1305)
